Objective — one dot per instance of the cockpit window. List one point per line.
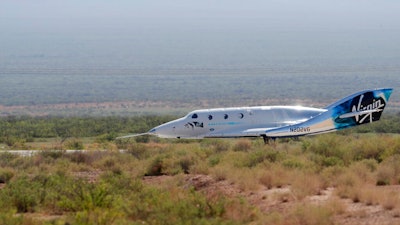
(226, 116)
(194, 116)
(210, 117)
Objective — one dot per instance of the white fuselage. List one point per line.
(272, 122)
(233, 122)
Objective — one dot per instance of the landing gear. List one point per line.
(266, 139)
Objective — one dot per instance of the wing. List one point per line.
(133, 135)
(253, 132)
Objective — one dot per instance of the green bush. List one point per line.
(255, 157)
(74, 144)
(7, 158)
(22, 194)
(332, 161)
(138, 150)
(6, 174)
(10, 218)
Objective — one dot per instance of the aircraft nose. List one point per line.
(164, 131)
(152, 131)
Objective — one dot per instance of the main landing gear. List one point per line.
(266, 139)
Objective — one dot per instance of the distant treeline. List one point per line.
(28, 128)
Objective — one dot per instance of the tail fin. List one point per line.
(362, 107)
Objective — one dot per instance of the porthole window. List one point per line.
(210, 117)
(226, 116)
(194, 116)
(240, 115)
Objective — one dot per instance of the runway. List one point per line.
(28, 153)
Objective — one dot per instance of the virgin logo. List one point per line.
(375, 106)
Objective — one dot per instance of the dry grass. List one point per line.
(275, 176)
(305, 214)
(242, 145)
(244, 165)
(306, 184)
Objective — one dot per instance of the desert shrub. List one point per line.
(370, 195)
(391, 146)
(156, 167)
(385, 175)
(22, 194)
(366, 146)
(275, 176)
(330, 146)
(293, 163)
(122, 184)
(364, 170)
(213, 160)
(242, 145)
(138, 150)
(182, 206)
(305, 184)
(266, 179)
(97, 216)
(254, 158)
(79, 157)
(54, 154)
(215, 145)
(236, 159)
(348, 186)
(306, 214)
(171, 164)
(274, 155)
(325, 145)
(386, 197)
(201, 167)
(117, 163)
(220, 172)
(388, 171)
(245, 178)
(390, 200)
(75, 144)
(6, 174)
(185, 163)
(7, 158)
(332, 161)
(106, 137)
(81, 195)
(10, 218)
(124, 142)
(329, 175)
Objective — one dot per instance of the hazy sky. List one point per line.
(383, 14)
(199, 33)
(270, 39)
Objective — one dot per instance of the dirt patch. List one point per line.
(282, 199)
